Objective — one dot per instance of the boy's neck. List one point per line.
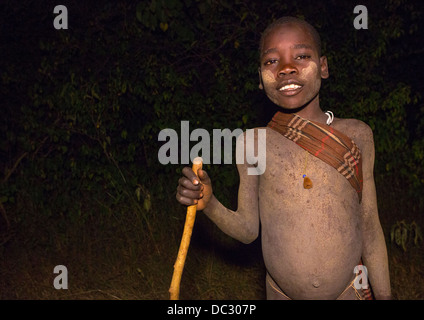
(313, 112)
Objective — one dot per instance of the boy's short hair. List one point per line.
(294, 20)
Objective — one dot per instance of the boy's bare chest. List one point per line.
(283, 181)
(289, 164)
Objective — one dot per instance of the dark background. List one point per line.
(81, 110)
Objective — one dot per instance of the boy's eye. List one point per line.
(302, 57)
(270, 61)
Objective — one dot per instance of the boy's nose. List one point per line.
(287, 69)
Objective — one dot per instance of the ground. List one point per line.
(117, 259)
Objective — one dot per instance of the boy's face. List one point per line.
(291, 70)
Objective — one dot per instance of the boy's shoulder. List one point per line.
(357, 130)
(352, 126)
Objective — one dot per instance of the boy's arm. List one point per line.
(374, 254)
(242, 224)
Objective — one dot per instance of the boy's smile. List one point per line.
(291, 69)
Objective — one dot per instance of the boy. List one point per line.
(316, 202)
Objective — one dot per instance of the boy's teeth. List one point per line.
(290, 87)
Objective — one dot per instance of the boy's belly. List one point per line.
(311, 245)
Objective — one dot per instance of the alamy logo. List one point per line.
(61, 20)
(60, 281)
(361, 20)
(250, 147)
(361, 280)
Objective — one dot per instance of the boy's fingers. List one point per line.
(192, 189)
(185, 201)
(188, 184)
(190, 194)
(189, 173)
(203, 176)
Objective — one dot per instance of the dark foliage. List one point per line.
(82, 108)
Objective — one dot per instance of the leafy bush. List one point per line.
(404, 234)
(83, 107)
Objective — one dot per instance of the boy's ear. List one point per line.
(324, 67)
(261, 86)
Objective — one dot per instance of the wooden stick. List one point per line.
(174, 289)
